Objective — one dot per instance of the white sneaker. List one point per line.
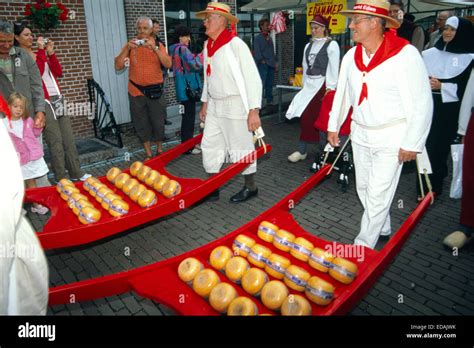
(296, 156)
(85, 177)
(456, 239)
(195, 151)
(39, 209)
(198, 146)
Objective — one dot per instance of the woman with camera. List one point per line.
(58, 129)
(186, 68)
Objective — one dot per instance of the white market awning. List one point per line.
(257, 6)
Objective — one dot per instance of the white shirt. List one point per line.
(398, 89)
(221, 83)
(50, 84)
(332, 70)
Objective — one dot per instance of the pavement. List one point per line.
(425, 278)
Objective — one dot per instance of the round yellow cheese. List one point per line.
(94, 187)
(113, 173)
(296, 305)
(258, 255)
(160, 183)
(71, 202)
(343, 270)
(319, 291)
(135, 167)
(108, 198)
(121, 179)
(147, 199)
(151, 177)
(118, 207)
(80, 204)
(301, 249)
(129, 185)
(283, 240)
(62, 183)
(205, 281)
(276, 266)
(242, 245)
(188, 269)
(101, 193)
(171, 188)
(235, 268)
(273, 294)
(266, 231)
(253, 281)
(242, 306)
(219, 257)
(143, 172)
(88, 215)
(67, 191)
(221, 296)
(296, 277)
(320, 260)
(136, 192)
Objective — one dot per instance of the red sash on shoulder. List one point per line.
(391, 46)
(214, 45)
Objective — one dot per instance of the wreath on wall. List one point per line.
(45, 15)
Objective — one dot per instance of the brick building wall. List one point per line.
(72, 50)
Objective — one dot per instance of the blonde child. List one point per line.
(25, 138)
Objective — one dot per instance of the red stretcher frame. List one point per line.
(160, 282)
(63, 229)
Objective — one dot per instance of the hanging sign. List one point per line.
(329, 9)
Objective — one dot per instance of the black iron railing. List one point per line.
(105, 126)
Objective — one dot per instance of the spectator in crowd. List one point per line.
(408, 29)
(156, 33)
(23, 271)
(320, 73)
(264, 54)
(25, 137)
(58, 131)
(465, 231)
(449, 65)
(186, 68)
(440, 24)
(384, 80)
(231, 98)
(145, 86)
(19, 73)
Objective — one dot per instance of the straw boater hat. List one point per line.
(220, 9)
(376, 8)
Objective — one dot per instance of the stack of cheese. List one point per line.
(160, 182)
(132, 188)
(80, 205)
(110, 201)
(300, 248)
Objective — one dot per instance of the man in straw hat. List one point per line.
(232, 96)
(385, 81)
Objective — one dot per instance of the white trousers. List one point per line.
(377, 174)
(28, 288)
(226, 136)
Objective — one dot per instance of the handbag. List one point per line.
(192, 94)
(152, 91)
(457, 152)
(58, 103)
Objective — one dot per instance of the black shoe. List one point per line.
(243, 195)
(168, 123)
(212, 197)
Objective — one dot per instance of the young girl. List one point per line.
(28, 147)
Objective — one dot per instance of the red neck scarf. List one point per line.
(214, 45)
(391, 46)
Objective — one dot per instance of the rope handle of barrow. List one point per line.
(428, 181)
(338, 155)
